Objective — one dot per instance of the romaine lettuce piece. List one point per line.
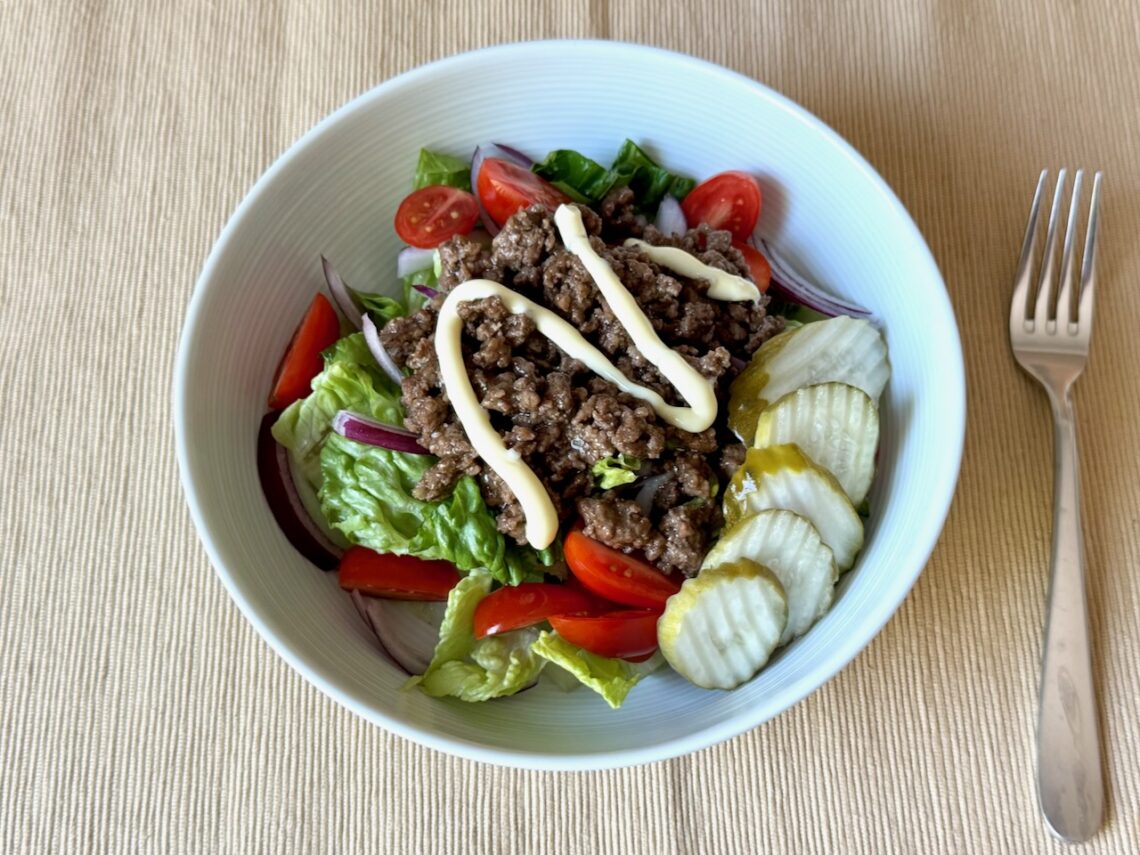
(435, 168)
(381, 308)
(586, 180)
(366, 494)
(612, 472)
(581, 178)
(477, 669)
(611, 678)
(648, 181)
(351, 380)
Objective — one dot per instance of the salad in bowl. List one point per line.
(605, 430)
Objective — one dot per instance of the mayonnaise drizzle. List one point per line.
(722, 285)
(541, 516)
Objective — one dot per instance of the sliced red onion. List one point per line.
(371, 432)
(341, 295)
(285, 502)
(407, 630)
(648, 491)
(413, 259)
(503, 153)
(428, 292)
(670, 218)
(789, 284)
(372, 339)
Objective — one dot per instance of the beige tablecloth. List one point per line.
(140, 712)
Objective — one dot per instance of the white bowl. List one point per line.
(335, 192)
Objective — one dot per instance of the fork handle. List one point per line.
(1069, 780)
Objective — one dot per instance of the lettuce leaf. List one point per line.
(435, 168)
(366, 495)
(586, 180)
(351, 380)
(581, 178)
(614, 471)
(648, 181)
(611, 678)
(477, 670)
(380, 307)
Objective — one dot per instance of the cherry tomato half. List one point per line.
(730, 200)
(527, 604)
(615, 575)
(395, 577)
(320, 328)
(506, 187)
(429, 216)
(757, 264)
(630, 634)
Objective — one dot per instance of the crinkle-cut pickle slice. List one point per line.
(782, 476)
(788, 545)
(834, 424)
(723, 624)
(844, 350)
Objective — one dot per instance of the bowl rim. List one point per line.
(952, 375)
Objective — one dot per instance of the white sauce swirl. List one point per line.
(541, 516)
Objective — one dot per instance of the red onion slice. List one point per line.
(648, 491)
(413, 259)
(503, 153)
(670, 218)
(407, 630)
(371, 432)
(285, 502)
(430, 293)
(789, 284)
(341, 295)
(372, 339)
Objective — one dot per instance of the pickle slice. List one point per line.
(789, 546)
(842, 349)
(834, 424)
(782, 476)
(723, 624)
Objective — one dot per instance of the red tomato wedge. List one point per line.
(506, 187)
(527, 604)
(629, 634)
(615, 575)
(320, 328)
(395, 577)
(429, 216)
(757, 264)
(730, 200)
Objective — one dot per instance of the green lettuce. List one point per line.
(366, 495)
(611, 678)
(351, 380)
(435, 168)
(648, 181)
(380, 307)
(477, 670)
(614, 471)
(581, 178)
(586, 180)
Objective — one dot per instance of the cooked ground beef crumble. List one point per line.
(557, 414)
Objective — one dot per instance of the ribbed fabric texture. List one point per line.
(139, 712)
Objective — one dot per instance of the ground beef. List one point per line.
(620, 523)
(560, 417)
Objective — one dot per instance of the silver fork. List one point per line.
(1050, 340)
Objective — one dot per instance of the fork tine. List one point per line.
(1065, 295)
(1088, 265)
(1019, 308)
(1046, 285)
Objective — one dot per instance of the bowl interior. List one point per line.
(336, 191)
